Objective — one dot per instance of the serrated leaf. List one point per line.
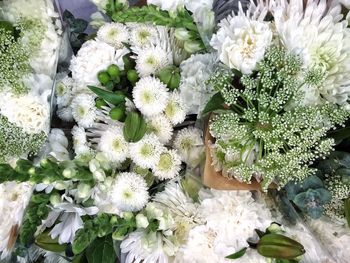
(238, 254)
(108, 96)
(215, 103)
(101, 250)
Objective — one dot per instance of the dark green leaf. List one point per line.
(238, 254)
(312, 182)
(108, 96)
(347, 210)
(78, 25)
(340, 134)
(215, 103)
(68, 16)
(101, 250)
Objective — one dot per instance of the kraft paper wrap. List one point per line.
(216, 180)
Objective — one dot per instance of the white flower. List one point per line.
(63, 91)
(58, 143)
(345, 3)
(160, 126)
(175, 110)
(189, 144)
(69, 216)
(241, 42)
(168, 166)
(129, 192)
(84, 110)
(80, 143)
(114, 34)
(14, 199)
(146, 152)
(321, 38)
(150, 96)
(25, 111)
(151, 60)
(113, 145)
(167, 5)
(101, 4)
(65, 114)
(142, 35)
(93, 57)
(195, 5)
(195, 71)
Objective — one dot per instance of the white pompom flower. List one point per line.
(113, 145)
(146, 152)
(175, 110)
(142, 35)
(160, 126)
(150, 96)
(83, 109)
(150, 61)
(114, 34)
(168, 166)
(129, 192)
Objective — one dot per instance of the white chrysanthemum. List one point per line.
(58, 144)
(160, 126)
(319, 35)
(150, 96)
(190, 146)
(80, 143)
(63, 91)
(114, 34)
(84, 109)
(194, 90)
(151, 60)
(168, 166)
(93, 57)
(167, 5)
(130, 192)
(113, 145)
(65, 114)
(25, 111)
(175, 110)
(142, 35)
(14, 199)
(241, 41)
(146, 152)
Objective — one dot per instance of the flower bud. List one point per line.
(99, 175)
(113, 220)
(61, 185)
(55, 199)
(182, 34)
(31, 171)
(118, 235)
(69, 173)
(127, 216)
(141, 221)
(83, 190)
(193, 46)
(94, 165)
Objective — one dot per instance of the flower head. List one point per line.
(175, 110)
(129, 192)
(84, 110)
(168, 166)
(160, 126)
(150, 96)
(114, 34)
(142, 35)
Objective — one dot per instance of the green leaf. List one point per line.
(101, 250)
(67, 16)
(347, 210)
(78, 25)
(45, 242)
(312, 182)
(108, 96)
(340, 134)
(215, 103)
(238, 254)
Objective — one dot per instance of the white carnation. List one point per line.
(130, 192)
(241, 42)
(150, 96)
(84, 110)
(114, 34)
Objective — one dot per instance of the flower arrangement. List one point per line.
(160, 92)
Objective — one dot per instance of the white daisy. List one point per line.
(65, 114)
(84, 110)
(130, 192)
(189, 143)
(114, 34)
(151, 60)
(146, 152)
(168, 166)
(142, 35)
(241, 41)
(63, 91)
(113, 145)
(150, 96)
(160, 126)
(175, 110)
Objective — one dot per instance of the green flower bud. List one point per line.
(127, 216)
(118, 234)
(117, 113)
(110, 85)
(182, 34)
(193, 46)
(61, 185)
(69, 173)
(103, 77)
(113, 220)
(31, 171)
(113, 71)
(170, 76)
(132, 76)
(100, 103)
(83, 190)
(141, 221)
(55, 199)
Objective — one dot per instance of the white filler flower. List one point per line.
(129, 192)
